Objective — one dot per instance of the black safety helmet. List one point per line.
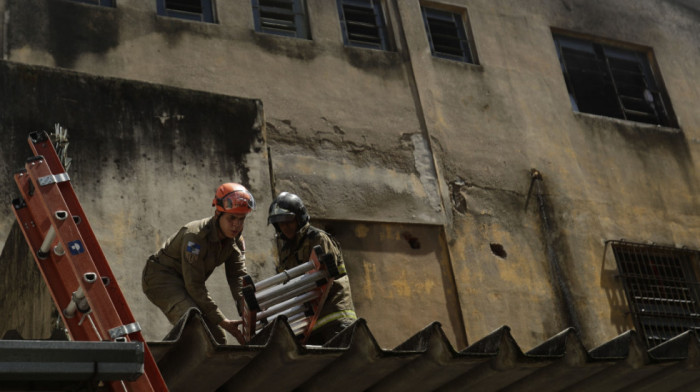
(285, 207)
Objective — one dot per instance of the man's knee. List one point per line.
(177, 310)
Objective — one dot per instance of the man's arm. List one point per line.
(330, 246)
(192, 256)
(235, 271)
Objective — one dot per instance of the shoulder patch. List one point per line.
(192, 251)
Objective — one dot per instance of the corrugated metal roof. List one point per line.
(190, 359)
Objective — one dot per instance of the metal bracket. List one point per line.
(85, 315)
(51, 178)
(124, 330)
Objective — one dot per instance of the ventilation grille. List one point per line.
(661, 288)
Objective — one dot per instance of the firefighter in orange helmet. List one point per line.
(174, 277)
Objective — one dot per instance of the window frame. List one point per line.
(380, 23)
(208, 14)
(300, 19)
(460, 25)
(603, 68)
(661, 287)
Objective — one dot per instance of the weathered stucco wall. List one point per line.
(26, 301)
(387, 142)
(146, 159)
(603, 179)
(333, 127)
(401, 277)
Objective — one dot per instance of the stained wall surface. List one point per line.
(145, 159)
(384, 143)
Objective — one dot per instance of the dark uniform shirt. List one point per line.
(338, 306)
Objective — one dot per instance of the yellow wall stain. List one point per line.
(390, 233)
(369, 271)
(401, 286)
(361, 231)
(428, 286)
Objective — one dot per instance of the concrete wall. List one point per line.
(603, 179)
(401, 278)
(380, 143)
(146, 159)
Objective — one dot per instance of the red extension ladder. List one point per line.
(71, 261)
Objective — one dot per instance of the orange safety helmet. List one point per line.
(233, 198)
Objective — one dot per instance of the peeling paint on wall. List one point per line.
(426, 170)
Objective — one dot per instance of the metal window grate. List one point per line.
(362, 22)
(446, 34)
(281, 17)
(661, 288)
(611, 81)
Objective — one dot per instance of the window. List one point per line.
(362, 22)
(104, 3)
(446, 34)
(611, 81)
(282, 17)
(661, 287)
(199, 10)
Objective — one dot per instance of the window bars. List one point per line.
(281, 17)
(662, 288)
(362, 22)
(447, 35)
(612, 81)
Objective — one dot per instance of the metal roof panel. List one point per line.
(190, 359)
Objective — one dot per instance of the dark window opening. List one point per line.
(447, 35)
(362, 22)
(662, 289)
(197, 10)
(612, 82)
(192, 6)
(281, 17)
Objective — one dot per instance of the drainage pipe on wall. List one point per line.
(559, 280)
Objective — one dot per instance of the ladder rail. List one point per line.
(50, 271)
(284, 294)
(41, 146)
(76, 264)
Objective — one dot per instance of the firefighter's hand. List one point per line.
(231, 326)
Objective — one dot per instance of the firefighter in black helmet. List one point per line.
(295, 240)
